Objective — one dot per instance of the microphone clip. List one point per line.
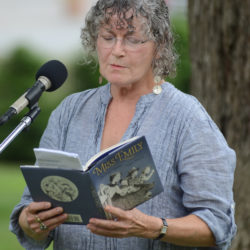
(34, 93)
(34, 112)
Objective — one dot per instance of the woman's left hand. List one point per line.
(131, 223)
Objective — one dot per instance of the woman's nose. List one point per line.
(118, 48)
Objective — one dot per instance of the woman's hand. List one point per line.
(132, 223)
(185, 231)
(38, 219)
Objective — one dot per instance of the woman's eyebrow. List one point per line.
(109, 31)
(128, 33)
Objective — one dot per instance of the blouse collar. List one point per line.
(144, 100)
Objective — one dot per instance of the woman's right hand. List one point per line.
(38, 219)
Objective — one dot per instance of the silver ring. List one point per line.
(43, 226)
(38, 220)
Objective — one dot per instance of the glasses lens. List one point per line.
(129, 43)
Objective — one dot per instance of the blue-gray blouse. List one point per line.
(194, 162)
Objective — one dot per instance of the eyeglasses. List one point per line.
(130, 43)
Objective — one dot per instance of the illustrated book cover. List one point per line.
(123, 176)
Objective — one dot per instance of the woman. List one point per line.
(133, 42)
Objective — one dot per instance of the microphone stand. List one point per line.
(25, 122)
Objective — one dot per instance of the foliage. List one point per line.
(180, 29)
(84, 76)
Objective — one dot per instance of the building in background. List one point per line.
(49, 27)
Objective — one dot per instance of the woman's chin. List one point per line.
(119, 82)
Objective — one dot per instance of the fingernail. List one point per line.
(59, 209)
(107, 208)
(47, 205)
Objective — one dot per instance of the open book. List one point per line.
(123, 175)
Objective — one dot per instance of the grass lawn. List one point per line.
(11, 188)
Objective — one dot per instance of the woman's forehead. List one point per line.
(116, 22)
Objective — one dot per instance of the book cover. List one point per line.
(123, 177)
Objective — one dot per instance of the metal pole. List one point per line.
(25, 122)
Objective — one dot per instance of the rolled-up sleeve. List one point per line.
(206, 168)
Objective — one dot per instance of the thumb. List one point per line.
(115, 211)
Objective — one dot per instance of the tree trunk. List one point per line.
(220, 57)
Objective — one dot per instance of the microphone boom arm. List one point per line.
(25, 122)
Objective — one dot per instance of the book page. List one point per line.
(49, 158)
(105, 152)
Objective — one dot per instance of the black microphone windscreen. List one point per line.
(55, 71)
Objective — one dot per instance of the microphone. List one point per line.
(48, 78)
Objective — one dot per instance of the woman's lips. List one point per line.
(117, 66)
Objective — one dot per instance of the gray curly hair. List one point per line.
(157, 28)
